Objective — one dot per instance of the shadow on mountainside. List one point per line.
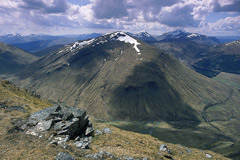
(146, 95)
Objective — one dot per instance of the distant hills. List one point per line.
(34, 43)
(125, 78)
(180, 35)
(205, 59)
(13, 59)
(117, 77)
(222, 58)
(144, 36)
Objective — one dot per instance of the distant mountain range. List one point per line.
(119, 77)
(34, 43)
(220, 58)
(180, 35)
(125, 78)
(144, 36)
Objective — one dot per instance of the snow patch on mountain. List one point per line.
(234, 42)
(192, 35)
(123, 37)
(80, 45)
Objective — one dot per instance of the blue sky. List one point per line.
(58, 17)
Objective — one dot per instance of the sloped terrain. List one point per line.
(123, 82)
(117, 77)
(15, 144)
(224, 58)
(180, 36)
(13, 59)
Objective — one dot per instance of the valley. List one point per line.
(127, 84)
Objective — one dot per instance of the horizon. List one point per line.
(79, 34)
(73, 17)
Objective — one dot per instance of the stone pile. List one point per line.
(64, 123)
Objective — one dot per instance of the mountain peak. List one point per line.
(143, 34)
(176, 32)
(115, 36)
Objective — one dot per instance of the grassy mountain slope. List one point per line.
(17, 145)
(122, 84)
(13, 59)
(113, 81)
(224, 58)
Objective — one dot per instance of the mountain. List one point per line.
(180, 35)
(18, 38)
(13, 59)
(126, 79)
(226, 39)
(143, 35)
(16, 104)
(47, 51)
(223, 58)
(34, 43)
(119, 78)
(185, 51)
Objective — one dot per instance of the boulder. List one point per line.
(164, 148)
(208, 156)
(107, 130)
(64, 121)
(64, 156)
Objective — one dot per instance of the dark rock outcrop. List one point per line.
(64, 123)
(12, 108)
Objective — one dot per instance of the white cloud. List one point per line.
(56, 15)
(227, 24)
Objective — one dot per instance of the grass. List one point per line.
(202, 136)
(16, 145)
(19, 146)
(229, 79)
(14, 96)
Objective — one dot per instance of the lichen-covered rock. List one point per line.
(64, 121)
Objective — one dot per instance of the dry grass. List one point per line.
(121, 142)
(16, 145)
(13, 95)
(19, 146)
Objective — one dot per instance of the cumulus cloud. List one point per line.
(226, 6)
(36, 15)
(55, 6)
(226, 24)
(179, 15)
(109, 9)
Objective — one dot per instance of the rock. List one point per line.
(100, 155)
(65, 122)
(208, 156)
(127, 158)
(98, 132)
(43, 114)
(89, 131)
(106, 130)
(43, 126)
(163, 148)
(64, 156)
(188, 150)
(81, 144)
(168, 157)
(67, 116)
(12, 108)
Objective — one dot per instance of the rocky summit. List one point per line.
(62, 123)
